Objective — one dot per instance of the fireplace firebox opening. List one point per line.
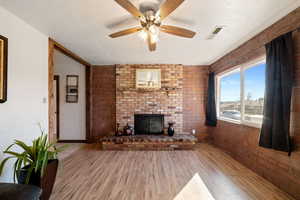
(148, 124)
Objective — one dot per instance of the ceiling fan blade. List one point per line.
(168, 7)
(151, 43)
(127, 5)
(125, 32)
(174, 30)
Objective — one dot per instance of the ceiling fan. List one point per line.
(150, 22)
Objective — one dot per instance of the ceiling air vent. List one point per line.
(217, 30)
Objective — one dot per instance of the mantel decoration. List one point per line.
(119, 132)
(3, 68)
(128, 130)
(148, 78)
(171, 130)
(72, 89)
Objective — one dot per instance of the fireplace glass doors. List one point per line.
(148, 124)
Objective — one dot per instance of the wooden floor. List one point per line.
(206, 173)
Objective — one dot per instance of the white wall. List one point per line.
(72, 115)
(27, 102)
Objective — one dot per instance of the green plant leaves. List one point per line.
(3, 163)
(44, 164)
(36, 157)
(23, 146)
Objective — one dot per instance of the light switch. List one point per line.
(44, 100)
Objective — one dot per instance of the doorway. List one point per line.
(54, 116)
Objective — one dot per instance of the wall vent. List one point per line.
(216, 31)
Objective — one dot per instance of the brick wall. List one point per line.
(255, 46)
(195, 80)
(241, 141)
(103, 100)
(130, 101)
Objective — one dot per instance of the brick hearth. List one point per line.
(149, 142)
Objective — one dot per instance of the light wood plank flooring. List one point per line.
(206, 173)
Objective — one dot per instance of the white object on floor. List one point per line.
(195, 189)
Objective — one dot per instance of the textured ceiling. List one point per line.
(83, 27)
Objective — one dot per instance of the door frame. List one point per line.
(53, 45)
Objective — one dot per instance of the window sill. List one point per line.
(230, 120)
(245, 123)
(252, 124)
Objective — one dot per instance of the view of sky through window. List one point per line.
(230, 87)
(253, 98)
(254, 90)
(255, 81)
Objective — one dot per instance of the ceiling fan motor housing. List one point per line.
(149, 5)
(150, 19)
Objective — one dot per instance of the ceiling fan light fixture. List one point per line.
(152, 18)
(143, 19)
(154, 39)
(154, 30)
(157, 15)
(143, 34)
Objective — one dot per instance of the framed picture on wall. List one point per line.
(148, 78)
(3, 68)
(72, 88)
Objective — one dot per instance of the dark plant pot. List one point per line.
(171, 130)
(46, 182)
(34, 178)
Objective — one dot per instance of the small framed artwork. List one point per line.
(148, 78)
(72, 89)
(72, 80)
(3, 68)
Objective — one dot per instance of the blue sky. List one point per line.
(254, 84)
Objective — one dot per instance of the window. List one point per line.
(254, 83)
(240, 94)
(230, 96)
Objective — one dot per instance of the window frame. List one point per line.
(241, 68)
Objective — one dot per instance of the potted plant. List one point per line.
(36, 165)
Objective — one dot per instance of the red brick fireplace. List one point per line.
(167, 101)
